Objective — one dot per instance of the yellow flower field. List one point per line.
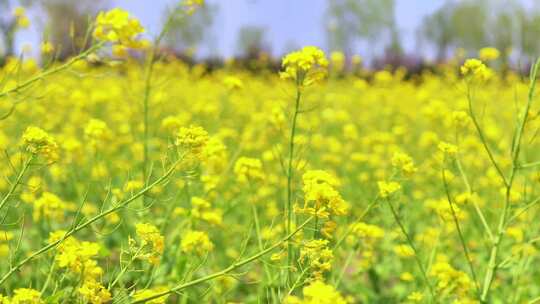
(128, 182)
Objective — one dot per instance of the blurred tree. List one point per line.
(437, 29)
(473, 24)
(373, 21)
(529, 31)
(251, 41)
(185, 35)
(469, 21)
(8, 25)
(503, 26)
(68, 23)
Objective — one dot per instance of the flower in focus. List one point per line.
(117, 27)
(77, 256)
(317, 256)
(321, 199)
(317, 292)
(152, 240)
(192, 139)
(475, 69)
(305, 66)
(95, 293)
(41, 143)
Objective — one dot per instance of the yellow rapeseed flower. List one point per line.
(488, 54)
(305, 66)
(196, 242)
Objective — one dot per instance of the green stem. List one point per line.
(259, 239)
(52, 71)
(124, 269)
(224, 271)
(360, 218)
(475, 204)
(460, 233)
(49, 276)
(149, 71)
(516, 148)
(411, 244)
(17, 182)
(482, 137)
(534, 301)
(344, 268)
(290, 173)
(87, 223)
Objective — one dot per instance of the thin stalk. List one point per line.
(17, 182)
(315, 228)
(534, 301)
(52, 71)
(224, 271)
(297, 282)
(124, 269)
(523, 210)
(87, 223)
(290, 173)
(460, 233)
(516, 148)
(529, 165)
(148, 72)
(411, 244)
(482, 137)
(475, 204)
(360, 218)
(259, 238)
(344, 268)
(49, 276)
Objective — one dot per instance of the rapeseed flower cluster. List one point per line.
(476, 70)
(192, 139)
(248, 169)
(199, 234)
(318, 292)
(41, 143)
(196, 242)
(117, 27)
(306, 66)
(152, 242)
(321, 199)
(317, 257)
(78, 258)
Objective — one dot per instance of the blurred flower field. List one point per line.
(128, 182)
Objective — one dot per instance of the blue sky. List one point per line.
(288, 22)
